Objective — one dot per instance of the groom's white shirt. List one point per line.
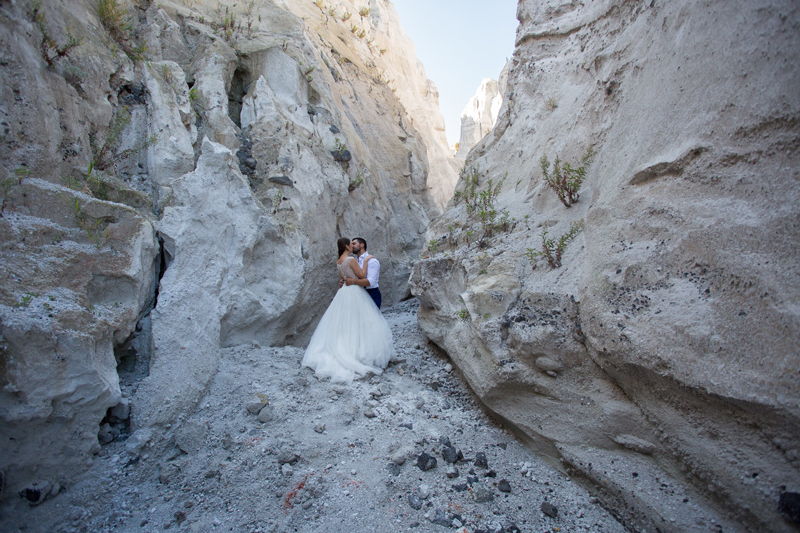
(374, 272)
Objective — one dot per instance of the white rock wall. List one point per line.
(670, 322)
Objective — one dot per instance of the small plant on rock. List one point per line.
(565, 179)
(105, 155)
(463, 315)
(117, 21)
(51, 50)
(553, 249)
(363, 12)
(356, 182)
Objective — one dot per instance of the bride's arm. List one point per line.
(361, 273)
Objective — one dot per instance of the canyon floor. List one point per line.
(409, 450)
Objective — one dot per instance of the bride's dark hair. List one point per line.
(342, 244)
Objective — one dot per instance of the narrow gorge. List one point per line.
(607, 267)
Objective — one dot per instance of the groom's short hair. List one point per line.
(362, 241)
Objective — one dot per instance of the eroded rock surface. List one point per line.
(665, 343)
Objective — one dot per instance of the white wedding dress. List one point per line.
(352, 339)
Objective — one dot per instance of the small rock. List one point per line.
(426, 462)
(250, 163)
(39, 491)
(548, 364)
(440, 518)
(460, 487)
(451, 455)
(288, 458)
(549, 509)
(190, 436)
(138, 440)
(480, 460)
(282, 180)
(482, 495)
(342, 156)
(399, 457)
(286, 469)
(319, 428)
(414, 501)
(448, 367)
(452, 472)
(106, 434)
(635, 443)
(503, 485)
(333, 129)
(265, 414)
(490, 473)
(394, 469)
(424, 491)
(408, 425)
(254, 407)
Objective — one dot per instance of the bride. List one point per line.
(352, 339)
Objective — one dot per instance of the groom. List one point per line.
(373, 274)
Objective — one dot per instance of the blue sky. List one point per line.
(460, 42)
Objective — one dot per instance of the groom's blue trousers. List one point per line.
(375, 294)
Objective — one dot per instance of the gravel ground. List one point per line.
(409, 450)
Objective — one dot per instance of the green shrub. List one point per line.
(553, 249)
(565, 179)
(480, 203)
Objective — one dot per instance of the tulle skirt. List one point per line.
(351, 340)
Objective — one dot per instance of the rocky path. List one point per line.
(405, 451)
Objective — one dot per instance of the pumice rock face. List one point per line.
(665, 342)
(173, 185)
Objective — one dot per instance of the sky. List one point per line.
(460, 42)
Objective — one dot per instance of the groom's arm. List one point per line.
(355, 281)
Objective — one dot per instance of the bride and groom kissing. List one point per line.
(352, 338)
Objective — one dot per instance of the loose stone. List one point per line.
(426, 462)
(549, 509)
(480, 460)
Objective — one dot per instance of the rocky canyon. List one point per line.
(609, 267)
